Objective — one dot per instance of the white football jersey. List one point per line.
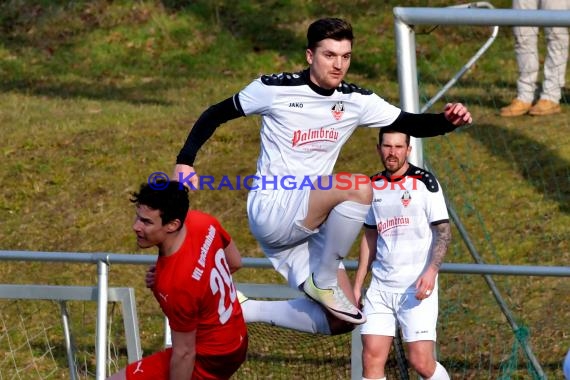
(304, 127)
(402, 212)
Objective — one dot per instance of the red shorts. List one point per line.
(156, 366)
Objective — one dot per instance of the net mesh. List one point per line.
(278, 353)
(32, 340)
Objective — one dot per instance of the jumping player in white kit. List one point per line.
(406, 237)
(304, 217)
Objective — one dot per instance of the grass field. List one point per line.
(97, 95)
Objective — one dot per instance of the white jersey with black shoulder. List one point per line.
(303, 127)
(403, 210)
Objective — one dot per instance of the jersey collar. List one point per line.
(409, 172)
(319, 90)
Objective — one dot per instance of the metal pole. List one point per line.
(484, 17)
(356, 354)
(101, 335)
(469, 63)
(255, 263)
(68, 343)
(408, 80)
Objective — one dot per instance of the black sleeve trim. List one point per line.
(205, 126)
(422, 124)
(440, 222)
(369, 226)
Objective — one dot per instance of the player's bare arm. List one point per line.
(183, 354)
(233, 257)
(150, 276)
(442, 238)
(367, 255)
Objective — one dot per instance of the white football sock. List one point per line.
(340, 230)
(299, 314)
(440, 373)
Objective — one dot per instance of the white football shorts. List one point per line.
(276, 221)
(417, 319)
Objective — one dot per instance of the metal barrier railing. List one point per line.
(102, 292)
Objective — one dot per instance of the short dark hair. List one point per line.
(386, 130)
(170, 198)
(334, 28)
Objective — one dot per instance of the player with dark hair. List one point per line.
(192, 282)
(407, 235)
(306, 118)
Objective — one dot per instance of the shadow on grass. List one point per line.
(71, 90)
(546, 171)
(262, 27)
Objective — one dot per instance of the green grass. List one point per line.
(97, 95)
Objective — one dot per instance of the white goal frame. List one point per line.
(406, 18)
(473, 14)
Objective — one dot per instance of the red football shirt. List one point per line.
(195, 290)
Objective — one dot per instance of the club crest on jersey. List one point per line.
(338, 110)
(406, 198)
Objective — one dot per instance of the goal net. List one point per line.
(32, 339)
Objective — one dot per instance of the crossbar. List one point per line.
(483, 17)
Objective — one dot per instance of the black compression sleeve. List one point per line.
(422, 124)
(205, 126)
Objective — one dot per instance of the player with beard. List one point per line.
(407, 235)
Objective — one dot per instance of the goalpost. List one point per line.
(406, 18)
(473, 14)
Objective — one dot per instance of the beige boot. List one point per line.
(544, 107)
(516, 108)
